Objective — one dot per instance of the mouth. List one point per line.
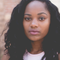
(34, 32)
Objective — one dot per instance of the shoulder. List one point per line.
(5, 55)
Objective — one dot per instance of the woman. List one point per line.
(34, 32)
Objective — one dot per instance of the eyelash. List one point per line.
(40, 18)
(28, 18)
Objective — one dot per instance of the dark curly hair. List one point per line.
(17, 42)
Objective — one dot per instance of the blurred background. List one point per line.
(6, 7)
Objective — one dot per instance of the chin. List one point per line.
(35, 39)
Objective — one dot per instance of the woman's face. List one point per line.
(36, 20)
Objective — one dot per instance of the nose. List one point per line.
(34, 23)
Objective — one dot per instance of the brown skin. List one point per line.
(33, 8)
(59, 56)
(6, 55)
(36, 17)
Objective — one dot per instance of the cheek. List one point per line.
(45, 28)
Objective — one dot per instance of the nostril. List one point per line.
(34, 25)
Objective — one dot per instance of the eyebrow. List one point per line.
(37, 14)
(28, 14)
(42, 13)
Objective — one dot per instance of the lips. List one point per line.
(34, 32)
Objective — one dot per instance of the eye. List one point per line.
(27, 18)
(41, 18)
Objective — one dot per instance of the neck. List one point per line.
(36, 47)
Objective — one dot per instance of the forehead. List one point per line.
(36, 6)
(36, 3)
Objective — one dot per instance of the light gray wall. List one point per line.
(57, 3)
